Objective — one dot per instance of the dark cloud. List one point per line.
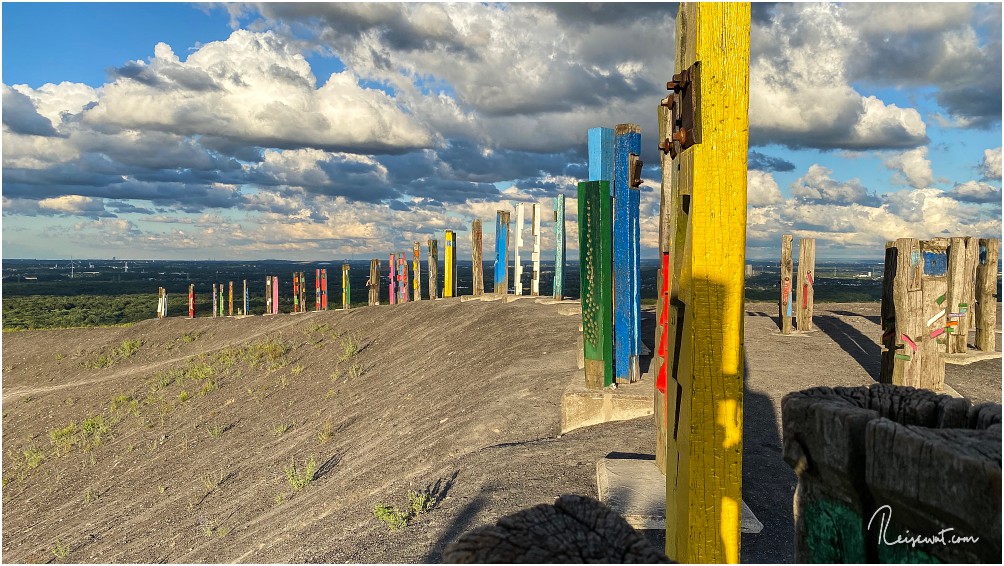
(586, 14)
(762, 162)
(20, 116)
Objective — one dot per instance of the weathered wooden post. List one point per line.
(268, 294)
(346, 288)
(668, 201)
(594, 282)
(417, 272)
(450, 277)
(191, 300)
(902, 322)
(214, 300)
(303, 292)
(806, 274)
(784, 310)
(433, 269)
(517, 271)
(230, 299)
(373, 283)
(296, 292)
(402, 279)
(501, 252)
(962, 262)
(247, 302)
(925, 344)
(635, 165)
(317, 289)
(221, 303)
(392, 287)
(627, 142)
(986, 295)
(161, 302)
(275, 294)
(709, 143)
(477, 265)
(535, 254)
(559, 247)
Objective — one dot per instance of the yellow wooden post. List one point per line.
(705, 394)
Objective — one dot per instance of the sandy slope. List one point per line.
(458, 398)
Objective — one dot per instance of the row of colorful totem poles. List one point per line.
(609, 236)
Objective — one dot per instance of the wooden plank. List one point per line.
(317, 289)
(392, 286)
(275, 294)
(303, 292)
(191, 300)
(346, 288)
(932, 365)
(594, 281)
(477, 260)
(214, 301)
(268, 294)
(230, 299)
(986, 294)
(908, 305)
(416, 268)
(296, 292)
(373, 283)
(517, 272)
(402, 279)
(627, 141)
(558, 287)
(502, 252)
(247, 300)
(433, 269)
(967, 303)
(804, 293)
(535, 254)
(601, 154)
(663, 286)
(956, 291)
(704, 460)
(787, 286)
(450, 265)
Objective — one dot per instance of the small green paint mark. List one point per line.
(949, 330)
(902, 357)
(963, 305)
(940, 300)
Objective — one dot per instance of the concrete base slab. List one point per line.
(636, 489)
(553, 301)
(511, 298)
(970, 357)
(581, 406)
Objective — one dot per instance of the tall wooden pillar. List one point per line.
(535, 254)
(275, 294)
(416, 268)
(317, 289)
(517, 271)
(594, 282)
(161, 302)
(806, 281)
(627, 142)
(392, 287)
(402, 279)
(963, 257)
(296, 292)
(433, 269)
(346, 288)
(928, 344)
(502, 252)
(477, 263)
(787, 287)
(191, 301)
(247, 302)
(559, 247)
(709, 145)
(986, 295)
(373, 283)
(268, 294)
(215, 307)
(230, 299)
(450, 265)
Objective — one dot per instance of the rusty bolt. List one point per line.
(668, 102)
(679, 82)
(680, 136)
(665, 145)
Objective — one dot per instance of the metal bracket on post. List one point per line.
(634, 171)
(684, 110)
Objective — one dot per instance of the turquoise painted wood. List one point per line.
(627, 140)
(601, 154)
(559, 247)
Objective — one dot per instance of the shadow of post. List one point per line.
(863, 349)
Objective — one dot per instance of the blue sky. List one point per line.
(310, 131)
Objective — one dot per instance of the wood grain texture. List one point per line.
(392, 277)
(804, 288)
(704, 463)
(191, 301)
(346, 288)
(956, 292)
(986, 294)
(627, 141)
(214, 301)
(535, 251)
(373, 283)
(664, 285)
(517, 270)
(502, 252)
(433, 268)
(908, 304)
(558, 288)
(787, 285)
(416, 268)
(594, 277)
(477, 259)
(247, 299)
(450, 265)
